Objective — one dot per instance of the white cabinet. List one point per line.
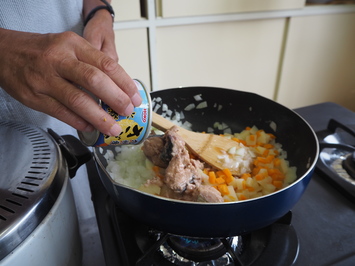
(126, 9)
(297, 55)
(241, 55)
(132, 49)
(319, 61)
(181, 8)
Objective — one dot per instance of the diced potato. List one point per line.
(263, 137)
(260, 150)
(284, 166)
(269, 187)
(151, 189)
(232, 192)
(291, 175)
(251, 140)
(253, 130)
(240, 184)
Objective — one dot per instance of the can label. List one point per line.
(135, 127)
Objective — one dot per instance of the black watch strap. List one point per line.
(107, 6)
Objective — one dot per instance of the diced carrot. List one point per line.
(268, 146)
(259, 177)
(266, 153)
(220, 180)
(278, 184)
(247, 128)
(277, 162)
(259, 132)
(219, 173)
(245, 176)
(272, 136)
(251, 189)
(223, 189)
(264, 160)
(242, 197)
(255, 170)
(228, 175)
(279, 176)
(212, 177)
(276, 174)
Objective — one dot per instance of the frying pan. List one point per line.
(237, 109)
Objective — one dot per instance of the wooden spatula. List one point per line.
(205, 146)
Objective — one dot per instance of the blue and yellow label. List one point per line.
(135, 128)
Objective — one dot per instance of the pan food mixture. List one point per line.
(163, 166)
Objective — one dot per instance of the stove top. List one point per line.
(319, 230)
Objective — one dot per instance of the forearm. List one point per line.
(90, 5)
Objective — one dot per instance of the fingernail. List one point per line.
(115, 130)
(129, 110)
(136, 99)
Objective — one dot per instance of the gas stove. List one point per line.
(319, 230)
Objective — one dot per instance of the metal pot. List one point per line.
(237, 109)
(38, 221)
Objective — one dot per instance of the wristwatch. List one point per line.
(107, 6)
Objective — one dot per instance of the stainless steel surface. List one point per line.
(33, 173)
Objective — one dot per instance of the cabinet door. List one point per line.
(240, 55)
(126, 10)
(132, 49)
(319, 61)
(180, 8)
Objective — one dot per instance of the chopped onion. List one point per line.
(156, 107)
(227, 131)
(273, 126)
(165, 107)
(201, 105)
(198, 97)
(190, 107)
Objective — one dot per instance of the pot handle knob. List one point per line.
(75, 153)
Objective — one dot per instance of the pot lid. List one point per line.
(32, 175)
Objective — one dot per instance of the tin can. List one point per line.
(135, 128)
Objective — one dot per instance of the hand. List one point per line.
(99, 32)
(45, 71)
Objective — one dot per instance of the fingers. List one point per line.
(109, 49)
(100, 75)
(113, 70)
(103, 77)
(76, 108)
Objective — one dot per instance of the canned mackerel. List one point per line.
(135, 128)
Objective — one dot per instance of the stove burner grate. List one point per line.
(199, 249)
(276, 244)
(337, 155)
(349, 165)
